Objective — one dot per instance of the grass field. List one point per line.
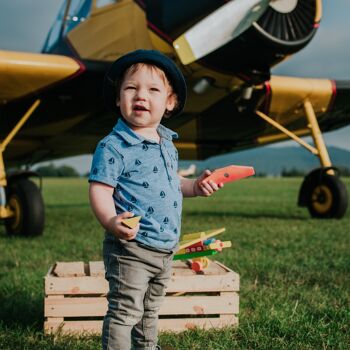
(295, 271)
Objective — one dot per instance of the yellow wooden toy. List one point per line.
(131, 222)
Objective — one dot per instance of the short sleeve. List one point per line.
(107, 164)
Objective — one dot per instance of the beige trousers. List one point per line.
(137, 280)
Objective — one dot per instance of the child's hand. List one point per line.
(120, 230)
(205, 188)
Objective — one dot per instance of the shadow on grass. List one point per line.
(247, 215)
(23, 309)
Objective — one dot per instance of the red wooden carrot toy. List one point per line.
(230, 173)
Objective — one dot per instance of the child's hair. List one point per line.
(134, 68)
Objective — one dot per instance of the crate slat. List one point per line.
(76, 286)
(174, 325)
(73, 327)
(204, 283)
(200, 304)
(98, 285)
(181, 324)
(69, 269)
(75, 307)
(182, 305)
(97, 269)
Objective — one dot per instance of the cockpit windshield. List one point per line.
(70, 15)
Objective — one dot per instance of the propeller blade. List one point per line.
(217, 29)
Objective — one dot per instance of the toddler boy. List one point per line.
(134, 172)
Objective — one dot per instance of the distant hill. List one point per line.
(272, 160)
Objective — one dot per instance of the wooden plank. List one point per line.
(234, 296)
(180, 268)
(173, 325)
(182, 305)
(53, 324)
(217, 277)
(204, 283)
(229, 320)
(76, 285)
(75, 307)
(229, 281)
(73, 327)
(55, 296)
(97, 269)
(200, 304)
(98, 285)
(69, 269)
(222, 266)
(182, 324)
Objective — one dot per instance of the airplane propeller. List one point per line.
(220, 27)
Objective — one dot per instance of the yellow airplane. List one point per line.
(51, 103)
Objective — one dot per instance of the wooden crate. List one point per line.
(75, 298)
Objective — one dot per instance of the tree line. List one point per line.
(68, 171)
(59, 171)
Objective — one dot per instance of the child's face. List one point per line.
(145, 94)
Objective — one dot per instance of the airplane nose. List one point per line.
(284, 6)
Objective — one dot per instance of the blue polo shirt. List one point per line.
(144, 176)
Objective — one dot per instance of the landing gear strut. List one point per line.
(322, 192)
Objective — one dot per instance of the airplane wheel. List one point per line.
(327, 197)
(25, 199)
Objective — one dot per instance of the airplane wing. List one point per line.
(24, 73)
(26, 77)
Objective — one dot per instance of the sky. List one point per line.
(24, 25)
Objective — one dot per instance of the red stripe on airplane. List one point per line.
(159, 32)
(334, 95)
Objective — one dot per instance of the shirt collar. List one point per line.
(123, 130)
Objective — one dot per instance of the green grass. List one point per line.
(294, 270)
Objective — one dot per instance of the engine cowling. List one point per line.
(286, 27)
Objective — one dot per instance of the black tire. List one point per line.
(328, 197)
(25, 199)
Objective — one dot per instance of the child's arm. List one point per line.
(199, 187)
(102, 204)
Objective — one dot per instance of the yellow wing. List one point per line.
(22, 73)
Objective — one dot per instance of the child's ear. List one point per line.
(171, 103)
(117, 102)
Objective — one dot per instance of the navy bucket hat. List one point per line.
(117, 69)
